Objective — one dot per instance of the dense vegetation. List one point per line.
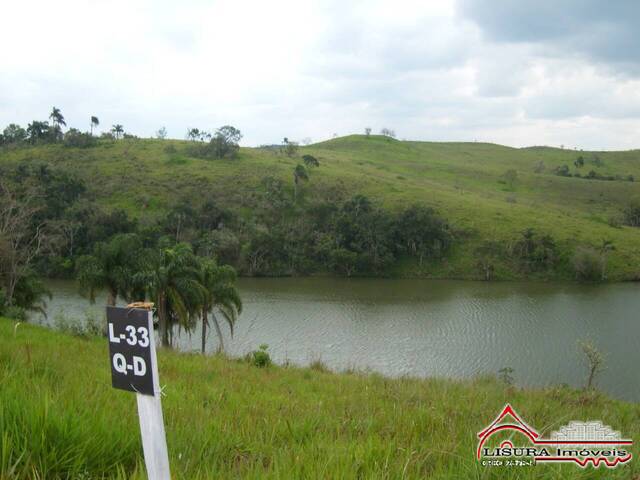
(358, 205)
(60, 418)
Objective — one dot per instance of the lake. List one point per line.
(422, 328)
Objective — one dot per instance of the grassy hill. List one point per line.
(60, 418)
(464, 181)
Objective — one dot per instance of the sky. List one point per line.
(514, 72)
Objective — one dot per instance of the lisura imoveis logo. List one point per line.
(582, 443)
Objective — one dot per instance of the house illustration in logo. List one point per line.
(580, 442)
(592, 431)
(518, 425)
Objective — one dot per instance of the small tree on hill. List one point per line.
(56, 117)
(94, 123)
(605, 248)
(225, 141)
(193, 134)
(161, 134)
(299, 175)
(14, 134)
(310, 161)
(290, 148)
(595, 360)
(117, 130)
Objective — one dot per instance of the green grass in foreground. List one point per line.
(60, 418)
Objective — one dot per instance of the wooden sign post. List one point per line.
(134, 367)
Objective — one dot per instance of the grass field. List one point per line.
(60, 418)
(463, 181)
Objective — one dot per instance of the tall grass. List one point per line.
(60, 418)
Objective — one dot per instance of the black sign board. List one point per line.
(130, 349)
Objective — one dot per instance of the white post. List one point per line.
(154, 441)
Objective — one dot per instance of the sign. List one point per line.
(132, 353)
(580, 443)
(130, 337)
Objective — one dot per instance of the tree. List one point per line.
(94, 123)
(76, 138)
(22, 235)
(117, 130)
(226, 141)
(193, 134)
(595, 360)
(487, 253)
(605, 247)
(169, 276)
(631, 214)
(37, 131)
(162, 133)
(367, 131)
(30, 294)
(56, 117)
(290, 148)
(422, 233)
(587, 263)
(111, 267)
(579, 163)
(14, 134)
(299, 175)
(388, 133)
(310, 161)
(221, 295)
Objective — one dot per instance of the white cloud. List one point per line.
(304, 68)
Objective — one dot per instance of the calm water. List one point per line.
(429, 328)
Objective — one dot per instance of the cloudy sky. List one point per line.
(516, 72)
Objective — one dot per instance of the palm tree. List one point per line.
(111, 267)
(299, 174)
(169, 277)
(56, 117)
(94, 123)
(117, 130)
(30, 292)
(221, 295)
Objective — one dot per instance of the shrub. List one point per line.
(505, 375)
(78, 139)
(260, 358)
(615, 221)
(93, 326)
(170, 149)
(631, 214)
(587, 264)
(223, 144)
(319, 366)
(535, 252)
(16, 313)
(595, 360)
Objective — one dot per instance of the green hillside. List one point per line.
(464, 182)
(60, 418)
